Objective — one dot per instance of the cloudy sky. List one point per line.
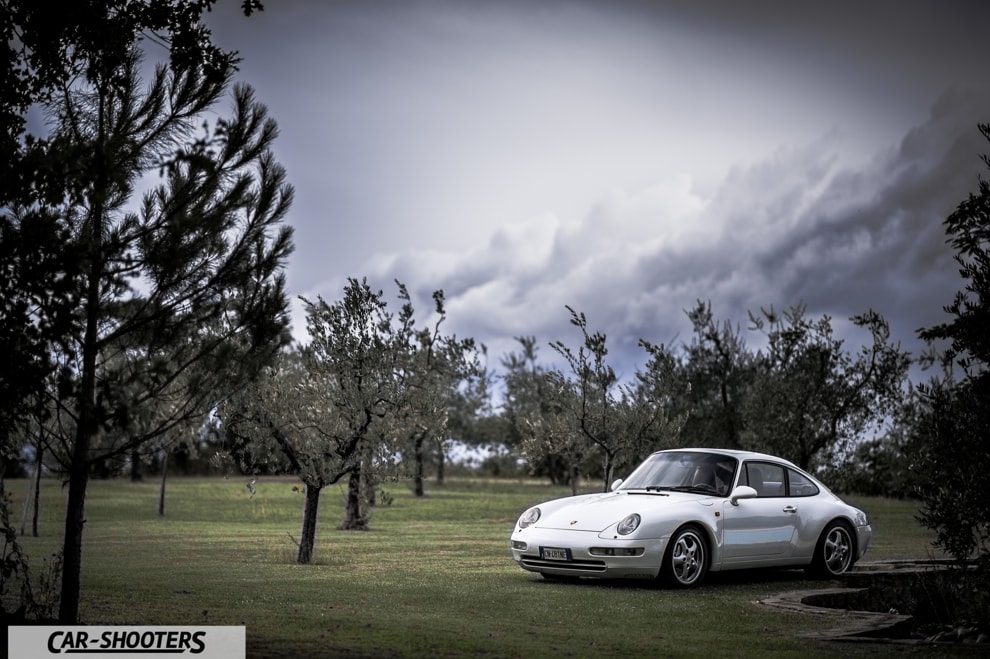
(625, 158)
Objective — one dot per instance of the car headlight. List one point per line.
(628, 525)
(529, 517)
(861, 519)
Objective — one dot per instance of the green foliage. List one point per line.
(968, 232)
(48, 45)
(955, 422)
(954, 461)
(659, 393)
(50, 49)
(524, 383)
(320, 409)
(441, 376)
(956, 419)
(886, 465)
(33, 598)
(529, 399)
(717, 369)
(811, 400)
(369, 386)
(805, 397)
(185, 298)
(38, 300)
(174, 303)
(586, 414)
(180, 300)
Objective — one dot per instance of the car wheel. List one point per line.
(686, 560)
(834, 551)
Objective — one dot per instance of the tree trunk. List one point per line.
(31, 500)
(354, 520)
(136, 475)
(732, 434)
(609, 469)
(574, 478)
(26, 506)
(86, 423)
(369, 483)
(307, 535)
(36, 502)
(161, 487)
(75, 506)
(75, 518)
(441, 463)
(39, 453)
(418, 488)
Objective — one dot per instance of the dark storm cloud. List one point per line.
(875, 237)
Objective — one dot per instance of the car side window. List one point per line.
(800, 485)
(767, 479)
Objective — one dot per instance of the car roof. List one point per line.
(736, 453)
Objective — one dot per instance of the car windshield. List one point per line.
(688, 471)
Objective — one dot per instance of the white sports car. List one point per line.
(685, 512)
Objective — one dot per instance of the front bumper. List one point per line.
(588, 554)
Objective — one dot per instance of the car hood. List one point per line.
(597, 512)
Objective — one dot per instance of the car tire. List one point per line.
(835, 552)
(686, 559)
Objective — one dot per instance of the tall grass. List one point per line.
(432, 578)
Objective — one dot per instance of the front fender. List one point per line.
(707, 517)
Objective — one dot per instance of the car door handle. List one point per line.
(790, 509)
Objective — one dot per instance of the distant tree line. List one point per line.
(803, 396)
(144, 322)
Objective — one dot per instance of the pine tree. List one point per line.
(182, 298)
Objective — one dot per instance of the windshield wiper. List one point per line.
(653, 489)
(682, 488)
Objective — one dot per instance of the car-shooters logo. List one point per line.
(212, 642)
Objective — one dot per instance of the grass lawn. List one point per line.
(432, 578)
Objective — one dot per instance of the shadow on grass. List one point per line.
(714, 580)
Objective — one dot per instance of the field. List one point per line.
(432, 578)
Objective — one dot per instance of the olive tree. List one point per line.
(613, 418)
(716, 371)
(323, 411)
(527, 411)
(435, 366)
(548, 436)
(810, 399)
(658, 413)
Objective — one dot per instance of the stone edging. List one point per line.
(854, 625)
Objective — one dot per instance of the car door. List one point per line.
(809, 516)
(762, 530)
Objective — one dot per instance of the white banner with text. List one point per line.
(121, 642)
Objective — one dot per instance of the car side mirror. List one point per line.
(742, 492)
(615, 484)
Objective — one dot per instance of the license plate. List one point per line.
(555, 554)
